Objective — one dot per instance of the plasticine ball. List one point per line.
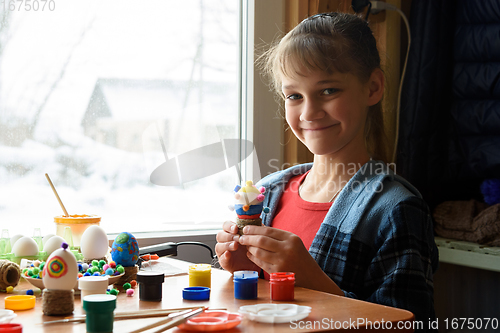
(109, 271)
(126, 286)
(112, 264)
(120, 269)
(29, 292)
(133, 283)
(114, 292)
(130, 292)
(125, 250)
(9, 289)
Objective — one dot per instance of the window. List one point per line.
(100, 93)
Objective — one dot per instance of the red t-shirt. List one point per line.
(298, 216)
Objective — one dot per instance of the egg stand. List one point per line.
(57, 302)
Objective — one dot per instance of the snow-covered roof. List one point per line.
(124, 99)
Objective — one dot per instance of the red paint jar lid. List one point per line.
(17, 328)
(282, 277)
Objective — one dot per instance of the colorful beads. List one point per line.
(97, 268)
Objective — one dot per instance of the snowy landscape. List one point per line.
(95, 64)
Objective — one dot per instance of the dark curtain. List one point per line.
(449, 134)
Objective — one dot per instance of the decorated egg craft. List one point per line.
(248, 205)
(25, 247)
(53, 244)
(125, 249)
(60, 272)
(94, 243)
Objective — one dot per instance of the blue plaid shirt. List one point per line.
(376, 241)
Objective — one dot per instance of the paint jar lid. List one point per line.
(93, 282)
(245, 276)
(99, 303)
(20, 302)
(282, 277)
(196, 293)
(149, 277)
(11, 328)
(200, 269)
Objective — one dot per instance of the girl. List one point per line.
(345, 224)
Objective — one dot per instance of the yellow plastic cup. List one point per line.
(77, 223)
(200, 275)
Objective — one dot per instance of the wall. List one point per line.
(464, 292)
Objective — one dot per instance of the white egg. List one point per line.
(60, 271)
(14, 239)
(25, 246)
(94, 243)
(53, 244)
(46, 238)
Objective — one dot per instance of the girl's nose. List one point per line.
(312, 111)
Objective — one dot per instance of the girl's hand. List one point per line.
(232, 256)
(276, 250)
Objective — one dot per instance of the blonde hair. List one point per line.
(331, 42)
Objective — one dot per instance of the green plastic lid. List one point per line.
(99, 303)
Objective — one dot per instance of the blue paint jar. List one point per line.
(245, 284)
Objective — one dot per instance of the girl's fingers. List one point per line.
(223, 237)
(220, 248)
(259, 256)
(262, 242)
(265, 231)
(230, 227)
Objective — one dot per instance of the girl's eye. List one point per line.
(330, 91)
(293, 96)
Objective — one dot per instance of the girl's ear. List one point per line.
(376, 86)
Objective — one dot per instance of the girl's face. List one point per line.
(327, 112)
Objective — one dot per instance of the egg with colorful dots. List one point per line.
(60, 272)
(125, 250)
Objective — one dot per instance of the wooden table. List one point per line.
(327, 312)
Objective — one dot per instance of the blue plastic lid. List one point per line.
(196, 293)
(245, 276)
